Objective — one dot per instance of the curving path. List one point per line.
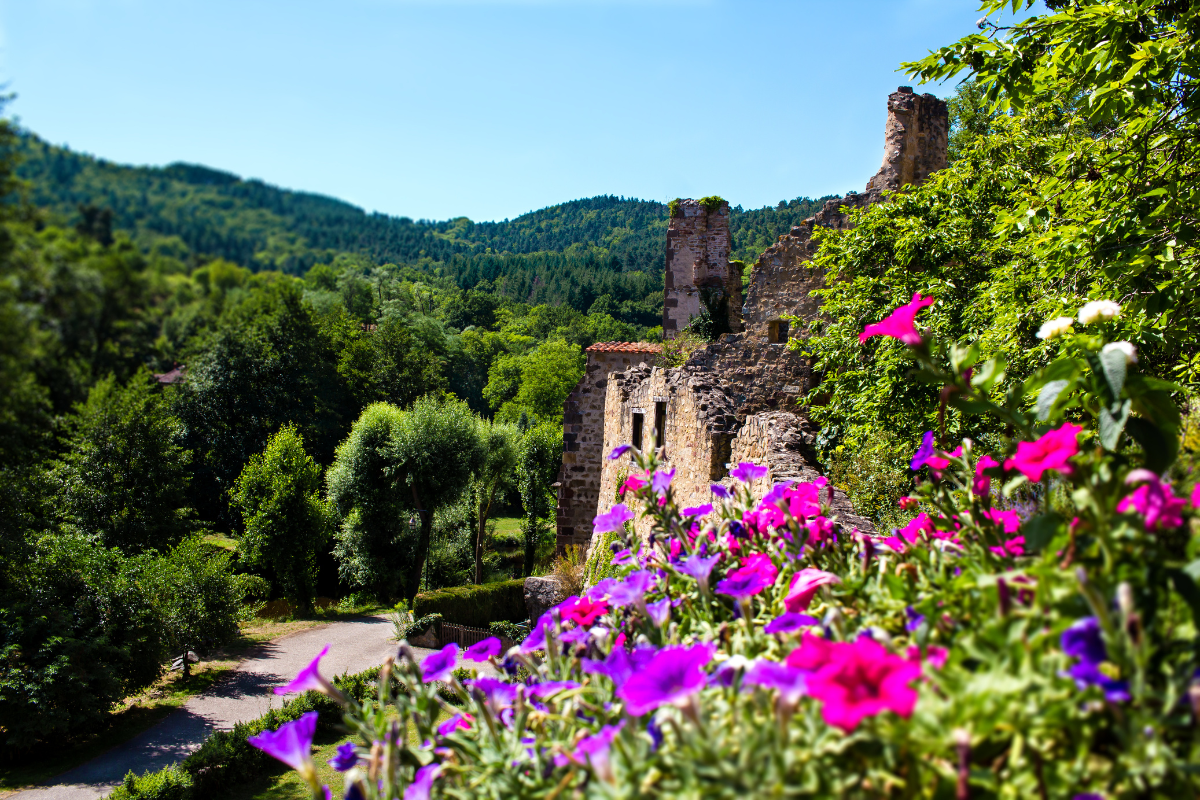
(355, 645)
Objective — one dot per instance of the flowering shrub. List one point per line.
(1031, 632)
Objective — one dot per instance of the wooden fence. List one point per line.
(464, 637)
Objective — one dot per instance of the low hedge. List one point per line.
(226, 759)
(476, 605)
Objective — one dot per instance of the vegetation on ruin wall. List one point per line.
(1047, 204)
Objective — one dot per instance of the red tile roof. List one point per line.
(625, 347)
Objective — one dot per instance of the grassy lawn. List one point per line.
(507, 524)
(282, 783)
(136, 715)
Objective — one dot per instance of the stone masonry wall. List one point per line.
(697, 262)
(583, 438)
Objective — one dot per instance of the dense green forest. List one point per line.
(572, 254)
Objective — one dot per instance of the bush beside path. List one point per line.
(355, 645)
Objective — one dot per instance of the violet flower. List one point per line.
(548, 688)
(698, 567)
(601, 589)
(422, 782)
(482, 651)
(619, 451)
(536, 640)
(1083, 640)
(727, 670)
(915, 619)
(789, 681)
(660, 612)
(437, 666)
(615, 667)
(612, 521)
(747, 471)
(756, 573)
(697, 511)
(291, 744)
(927, 455)
(345, 758)
(593, 751)
(497, 693)
(720, 491)
(790, 621)
(631, 590)
(621, 558)
(310, 679)
(673, 675)
(662, 481)
(456, 722)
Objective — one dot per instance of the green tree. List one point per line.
(548, 375)
(500, 443)
(198, 597)
(286, 522)
(538, 459)
(435, 450)
(124, 477)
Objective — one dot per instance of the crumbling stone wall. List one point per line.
(583, 437)
(698, 268)
(915, 141)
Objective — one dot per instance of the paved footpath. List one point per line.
(355, 645)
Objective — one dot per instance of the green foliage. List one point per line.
(476, 605)
(496, 471)
(874, 475)
(711, 203)
(547, 376)
(451, 559)
(124, 478)
(286, 522)
(199, 597)
(598, 565)
(538, 460)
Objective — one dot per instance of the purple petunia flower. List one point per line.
(622, 557)
(482, 651)
(345, 759)
(720, 491)
(747, 471)
(662, 481)
(593, 751)
(727, 670)
(614, 520)
(915, 619)
(1088, 796)
(438, 666)
(698, 567)
(656, 735)
(1084, 641)
(291, 743)
(673, 674)
(790, 621)
(660, 612)
(631, 590)
(615, 666)
(497, 693)
(548, 688)
(309, 678)
(619, 451)
(536, 640)
(926, 455)
(422, 782)
(697, 511)
(756, 573)
(789, 681)
(454, 723)
(601, 589)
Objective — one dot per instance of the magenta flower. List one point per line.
(1153, 500)
(934, 655)
(438, 666)
(662, 480)
(720, 491)
(345, 758)
(457, 722)
(614, 520)
(309, 679)
(1196, 496)
(804, 586)
(756, 573)
(900, 323)
(291, 744)
(982, 483)
(862, 679)
(632, 484)
(672, 675)
(790, 682)
(1051, 451)
(697, 511)
(927, 454)
(482, 651)
(746, 472)
(788, 622)
(1009, 521)
(547, 688)
(582, 611)
(1011, 548)
(422, 782)
(619, 451)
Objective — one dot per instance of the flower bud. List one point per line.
(1125, 599)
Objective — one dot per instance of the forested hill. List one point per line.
(572, 253)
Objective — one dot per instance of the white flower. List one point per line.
(1125, 347)
(1098, 310)
(1055, 327)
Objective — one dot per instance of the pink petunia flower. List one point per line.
(1009, 521)
(1013, 547)
(632, 484)
(1051, 451)
(863, 679)
(1154, 500)
(747, 471)
(982, 483)
(934, 655)
(900, 323)
(756, 573)
(804, 586)
(813, 653)
(582, 611)
(1196, 496)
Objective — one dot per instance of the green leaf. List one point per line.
(1185, 585)
(1048, 396)
(962, 358)
(988, 375)
(1111, 425)
(1159, 450)
(1113, 363)
(1039, 531)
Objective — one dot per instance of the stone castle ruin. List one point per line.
(734, 399)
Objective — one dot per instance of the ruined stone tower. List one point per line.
(698, 272)
(914, 141)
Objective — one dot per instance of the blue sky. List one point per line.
(484, 108)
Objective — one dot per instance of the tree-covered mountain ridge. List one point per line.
(202, 213)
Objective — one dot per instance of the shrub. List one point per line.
(476, 605)
(875, 475)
